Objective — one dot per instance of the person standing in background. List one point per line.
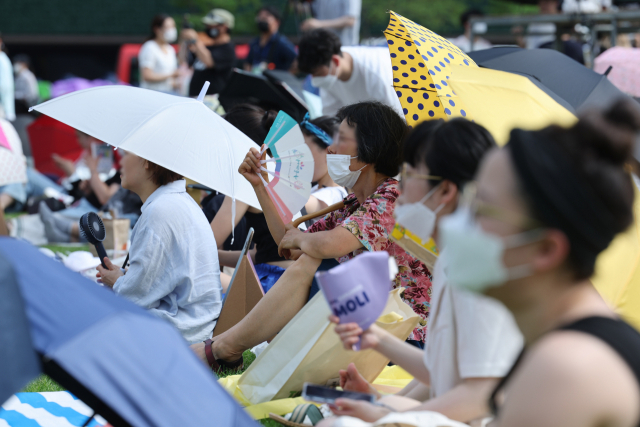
(157, 58)
(6, 85)
(25, 83)
(26, 95)
(270, 50)
(347, 75)
(213, 63)
(463, 41)
(339, 16)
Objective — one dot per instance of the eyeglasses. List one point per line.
(406, 174)
(484, 209)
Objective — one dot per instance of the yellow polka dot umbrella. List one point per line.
(421, 61)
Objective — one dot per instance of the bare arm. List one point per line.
(322, 244)
(221, 223)
(150, 76)
(228, 258)
(4, 231)
(337, 23)
(198, 48)
(250, 169)
(314, 205)
(465, 402)
(203, 54)
(277, 227)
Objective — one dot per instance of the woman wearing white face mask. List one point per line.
(157, 58)
(472, 340)
(366, 154)
(546, 206)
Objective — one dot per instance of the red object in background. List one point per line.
(48, 136)
(129, 51)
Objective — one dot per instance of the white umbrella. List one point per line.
(13, 165)
(180, 134)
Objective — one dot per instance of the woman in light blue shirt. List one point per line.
(174, 271)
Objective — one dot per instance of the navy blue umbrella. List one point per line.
(579, 86)
(18, 361)
(130, 367)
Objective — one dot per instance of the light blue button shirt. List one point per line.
(174, 270)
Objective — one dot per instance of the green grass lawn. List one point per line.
(43, 383)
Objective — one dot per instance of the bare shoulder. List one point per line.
(568, 379)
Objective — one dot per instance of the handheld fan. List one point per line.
(290, 186)
(92, 228)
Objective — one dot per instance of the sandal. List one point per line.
(217, 364)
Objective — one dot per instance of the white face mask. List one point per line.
(17, 68)
(475, 257)
(418, 218)
(324, 82)
(338, 167)
(170, 35)
(479, 28)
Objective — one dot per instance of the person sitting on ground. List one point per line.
(365, 156)
(546, 206)
(346, 75)
(173, 263)
(270, 50)
(472, 340)
(255, 122)
(318, 135)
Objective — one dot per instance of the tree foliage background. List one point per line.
(441, 16)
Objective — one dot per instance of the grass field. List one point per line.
(43, 383)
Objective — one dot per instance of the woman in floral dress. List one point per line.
(365, 156)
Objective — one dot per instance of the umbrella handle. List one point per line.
(322, 212)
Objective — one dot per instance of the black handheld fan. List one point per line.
(92, 228)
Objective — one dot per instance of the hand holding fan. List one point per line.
(290, 186)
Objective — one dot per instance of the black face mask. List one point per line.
(263, 26)
(213, 32)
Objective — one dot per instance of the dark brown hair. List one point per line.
(575, 180)
(162, 176)
(251, 120)
(157, 22)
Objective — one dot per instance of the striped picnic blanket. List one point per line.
(51, 409)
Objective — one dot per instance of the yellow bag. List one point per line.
(308, 350)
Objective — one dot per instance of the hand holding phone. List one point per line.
(320, 394)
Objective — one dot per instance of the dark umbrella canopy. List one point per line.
(581, 87)
(18, 361)
(269, 93)
(130, 367)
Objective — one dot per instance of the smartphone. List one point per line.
(319, 394)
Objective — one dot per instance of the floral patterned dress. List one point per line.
(372, 223)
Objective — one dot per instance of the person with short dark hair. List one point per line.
(341, 17)
(346, 75)
(270, 50)
(213, 60)
(173, 262)
(364, 158)
(472, 339)
(463, 41)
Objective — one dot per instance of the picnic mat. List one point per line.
(50, 409)
(392, 379)
(63, 409)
